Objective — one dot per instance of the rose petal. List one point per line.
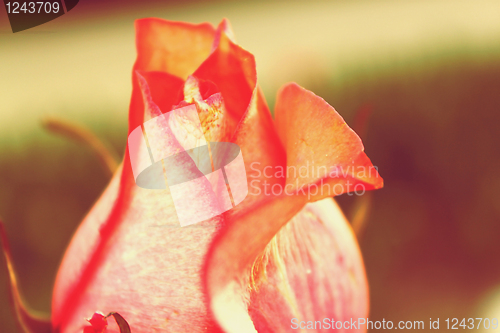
(234, 250)
(177, 48)
(131, 256)
(319, 141)
(233, 70)
(224, 27)
(312, 132)
(311, 270)
(261, 150)
(165, 89)
(135, 260)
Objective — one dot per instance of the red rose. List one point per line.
(275, 257)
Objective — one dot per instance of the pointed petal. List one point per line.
(318, 140)
(176, 48)
(28, 320)
(224, 27)
(311, 130)
(233, 70)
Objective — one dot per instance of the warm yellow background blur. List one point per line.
(429, 69)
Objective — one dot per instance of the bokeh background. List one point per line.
(429, 71)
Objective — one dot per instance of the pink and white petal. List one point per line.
(233, 252)
(131, 256)
(311, 270)
(135, 259)
(258, 276)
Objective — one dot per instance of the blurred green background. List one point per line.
(429, 70)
